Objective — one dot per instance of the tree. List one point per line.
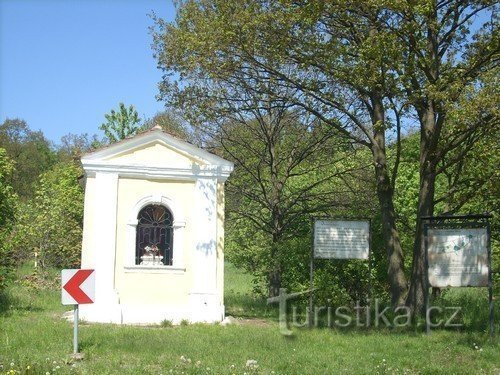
(122, 124)
(302, 50)
(467, 175)
(280, 181)
(442, 60)
(51, 224)
(470, 183)
(173, 124)
(31, 152)
(285, 158)
(73, 146)
(363, 68)
(7, 213)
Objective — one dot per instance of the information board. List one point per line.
(457, 257)
(341, 239)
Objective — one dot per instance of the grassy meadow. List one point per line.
(35, 340)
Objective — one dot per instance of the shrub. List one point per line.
(8, 201)
(51, 224)
(166, 323)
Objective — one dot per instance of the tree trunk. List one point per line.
(274, 282)
(428, 147)
(385, 193)
(417, 290)
(431, 118)
(397, 279)
(274, 276)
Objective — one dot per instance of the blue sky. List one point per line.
(65, 63)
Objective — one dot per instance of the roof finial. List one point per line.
(157, 127)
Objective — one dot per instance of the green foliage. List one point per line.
(121, 124)
(8, 201)
(73, 146)
(51, 224)
(7, 196)
(290, 164)
(287, 171)
(6, 263)
(166, 323)
(236, 57)
(406, 191)
(368, 69)
(468, 176)
(473, 303)
(31, 151)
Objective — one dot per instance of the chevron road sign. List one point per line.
(78, 287)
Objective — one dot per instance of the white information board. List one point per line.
(341, 239)
(457, 257)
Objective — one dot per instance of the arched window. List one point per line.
(154, 236)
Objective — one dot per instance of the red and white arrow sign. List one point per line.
(78, 287)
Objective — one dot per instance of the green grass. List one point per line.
(238, 297)
(33, 334)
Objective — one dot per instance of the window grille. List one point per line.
(154, 236)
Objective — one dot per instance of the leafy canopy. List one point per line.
(121, 124)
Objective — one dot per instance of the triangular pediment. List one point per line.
(155, 153)
(154, 148)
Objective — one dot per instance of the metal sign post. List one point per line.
(311, 276)
(490, 282)
(77, 287)
(369, 298)
(75, 329)
(426, 283)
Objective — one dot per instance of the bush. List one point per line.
(8, 200)
(166, 323)
(473, 303)
(6, 266)
(51, 224)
